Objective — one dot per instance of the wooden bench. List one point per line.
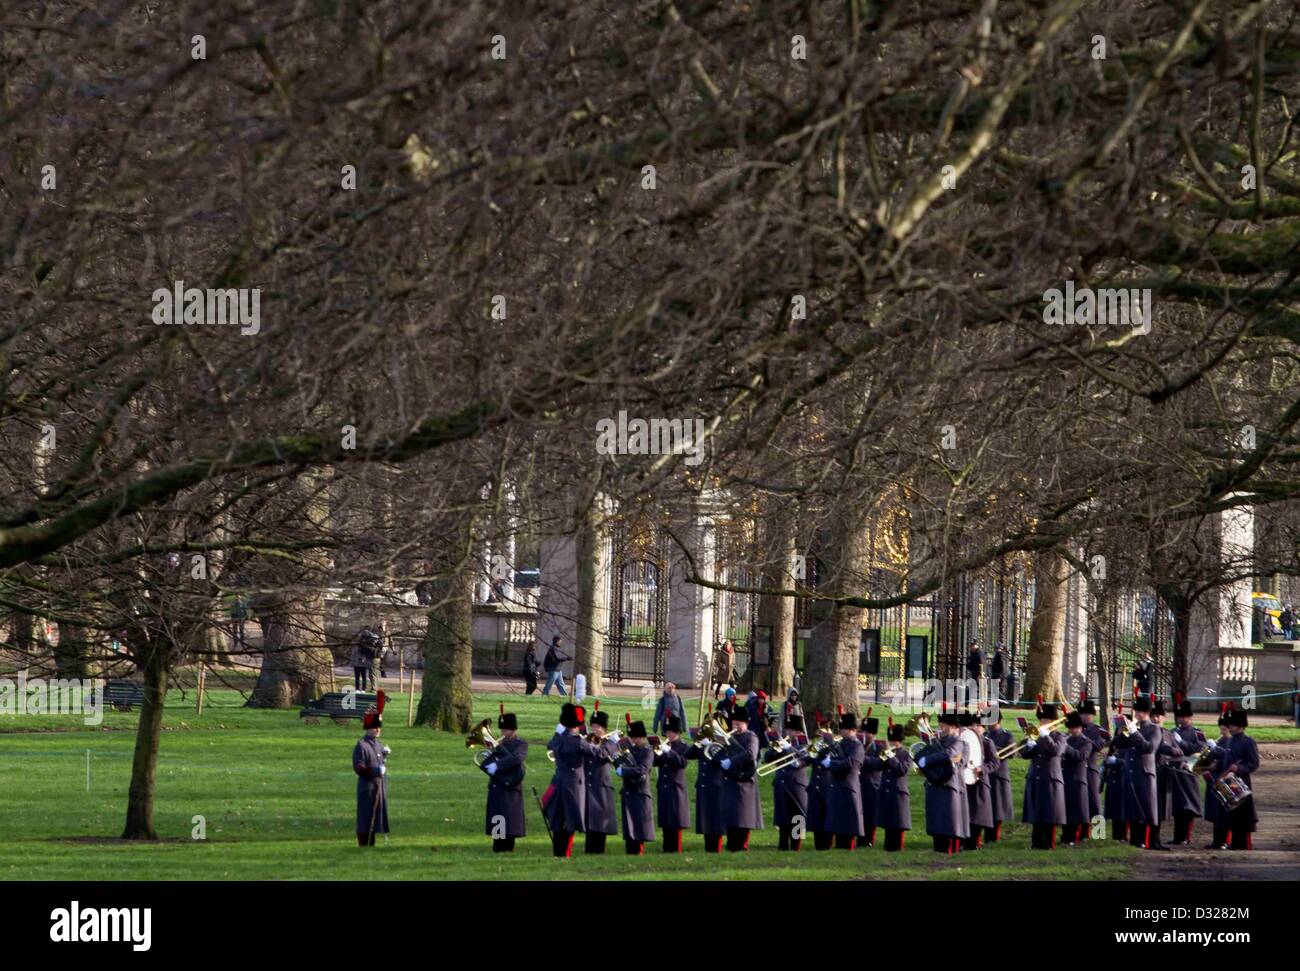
(339, 706)
(123, 695)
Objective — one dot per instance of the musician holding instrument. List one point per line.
(504, 766)
(1138, 743)
(1212, 804)
(976, 776)
(741, 808)
(844, 795)
(1074, 770)
(818, 784)
(633, 768)
(1182, 780)
(999, 771)
(947, 817)
(789, 783)
(1044, 805)
(565, 802)
(708, 786)
(893, 800)
(672, 802)
(1233, 764)
(1168, 752)
(598, 760)
(874, 753)
(1100, 738)
(1115, 781)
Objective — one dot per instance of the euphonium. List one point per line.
(482, 735)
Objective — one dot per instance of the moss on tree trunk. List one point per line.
(1046, 632)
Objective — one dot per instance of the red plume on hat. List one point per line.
(373, 718)
(839, 709)
(596, 705)
(891, 721)
(627, 719)
(502, 706)
(581, 713)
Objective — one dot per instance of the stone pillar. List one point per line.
(1221, 618)
(557, 606)
(691, 638)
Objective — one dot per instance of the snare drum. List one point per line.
(1231, 790)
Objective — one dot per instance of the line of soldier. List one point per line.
(845, 793)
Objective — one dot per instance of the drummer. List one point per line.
(1240, 757)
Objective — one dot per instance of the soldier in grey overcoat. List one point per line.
(1044, 806)
(708, 799)
(370, 763)
(1141, 810)
(790, 786)
(874, 752)
(1074, 770)
(601, 817)
(996, 738)
(505, 798)
(1184, 785)
(844, 797)
(673, 804)
(946, 813)
(1100, 738)
(741, 809)
(637, 805)
(893, 799)
(565, 802)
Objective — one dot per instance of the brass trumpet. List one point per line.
(1033, 732)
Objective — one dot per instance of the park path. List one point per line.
(1276, 853)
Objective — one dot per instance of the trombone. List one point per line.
(790, 755)
(1032, 733)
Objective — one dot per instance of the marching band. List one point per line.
(844, 785)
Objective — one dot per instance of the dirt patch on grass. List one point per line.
(1276, 853)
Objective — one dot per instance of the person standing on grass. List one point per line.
(551, 663)
(724, 667)
(505, 798)
(601, 819)
(363, 658)
(565, 802)
(894, 800)
(741, 809)
(670, 704)
(634, 799)
(673, 805)
(370, 763)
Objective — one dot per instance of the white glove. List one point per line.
(619, 771)
(662, 749)
(383, 770)
(387, 751)
(826, 762)
(893, 754)
(560, 729)
(1111, 760)
(921, 761)
(1212, 743)
(613, 737)
(491, 768)
(1031, 743)
(726, 763)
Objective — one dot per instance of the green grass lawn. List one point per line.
(278, 797)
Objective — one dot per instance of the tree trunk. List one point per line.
(446, 703)
(589, 653)
(296, 662)
(148, 733)
(1181, 608)
(831, 678)
(70, 652)
(1046, 632)
(776, 611)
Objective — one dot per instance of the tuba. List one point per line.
(481, 735)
